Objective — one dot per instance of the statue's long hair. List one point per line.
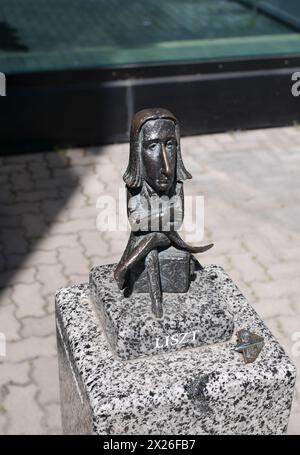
(133, 174)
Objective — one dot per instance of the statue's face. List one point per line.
(159, 153)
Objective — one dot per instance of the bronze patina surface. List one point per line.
(155, 205)
(249, 344)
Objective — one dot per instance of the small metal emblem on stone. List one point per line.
(249, 344)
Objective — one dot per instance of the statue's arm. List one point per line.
(140, 215)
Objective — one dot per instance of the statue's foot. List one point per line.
(180, 243)
(119, 276)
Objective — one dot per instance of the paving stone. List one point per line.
(7, 195)
(5, 279)
(3, 420)
(20, 208)
(116, 246)
(17, 373)
(31, 348)
(11, 168)
(57, 160)
(9, 221)
(275, 307)
(14, 241)
(73, 198)
(102, 154)
(290, 253)
(39, 194)
(45, 184)
(21, 181)
(225, 138)
(91, 185)
(49, 303)
(14, 261)
(9, 325)
(38, 326)
(277, 288)
(2, 263)
(28, 300)
(108, 173)
(34, 225)
(53, 418)
(51, 278)
(80, 278)
(111, 259)
(65, 177)
(52, 242)
(206, 259)
(40, 257)
(25, 414)
(25, 276)
(289, 325)
(6, 296)
(286, 270)
(248, 268)
(83, 212)
(39, 170)
(208, 141)
(54, 211)
(3, 178)
(75, 155)
(294, 424)
(261, 249)
(93, 244)
(72, 226)
(19, 161)
(45, 375)
(74, 261)
(221, 247)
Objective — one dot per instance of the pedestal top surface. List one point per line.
(199, 316)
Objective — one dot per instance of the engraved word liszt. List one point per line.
(176, 339)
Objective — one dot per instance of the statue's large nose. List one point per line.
(166, 168)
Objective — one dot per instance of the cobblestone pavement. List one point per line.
(49, 239)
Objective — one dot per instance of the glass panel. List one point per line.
(41, 35)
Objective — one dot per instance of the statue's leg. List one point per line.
(178, 242)
(152, 267)
(148, 243)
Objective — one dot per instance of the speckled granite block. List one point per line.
(191, 319)
(204, 390)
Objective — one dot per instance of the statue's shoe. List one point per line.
(119, 275)
(177, 241)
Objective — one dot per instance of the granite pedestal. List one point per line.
(197, 390)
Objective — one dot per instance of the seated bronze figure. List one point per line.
(155, 204)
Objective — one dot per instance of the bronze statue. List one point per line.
(155, 203)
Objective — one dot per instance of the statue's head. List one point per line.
(155, 155)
